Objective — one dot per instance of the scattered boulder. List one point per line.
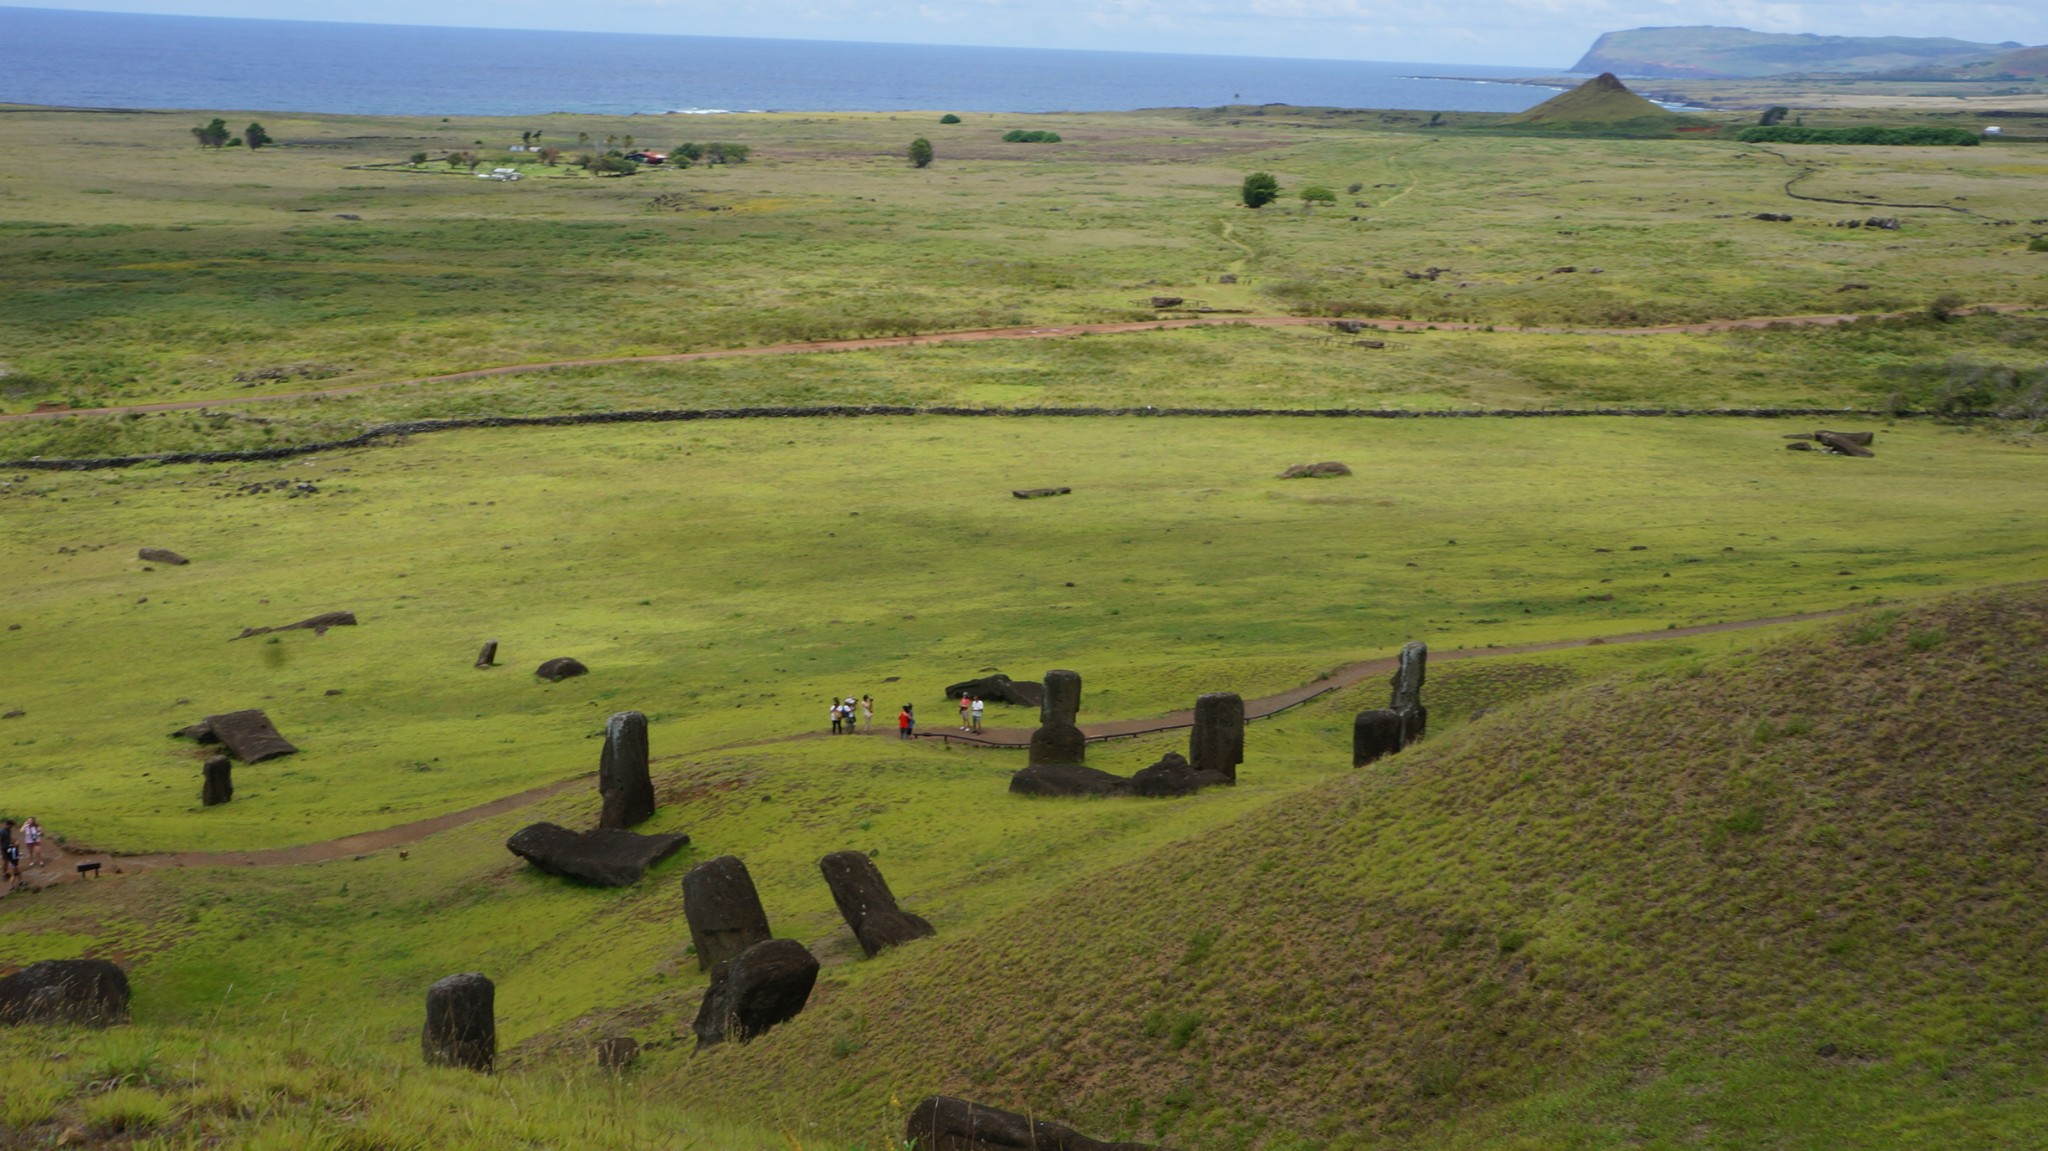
(867, 903)
(943, 1123)
(767, 984)
(1066, 779)
(999, 687)
(724, 910)
(220, 782)
(90, 992)
(1173, 776)
(1375, 734)
(607, 857)
(1058, 739)
(1772, 217)
(1323, 470)
(617, 1052)
(248, 735)
(1167, 301)
(488, 657)
(1039, 493)
(622, 778)
(462, 1023)
(1216, 743)
(561, 668)
(318, 624)
(162, 556)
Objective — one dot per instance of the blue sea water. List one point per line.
(101, 59)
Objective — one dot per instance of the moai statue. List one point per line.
(1408, 692)
(488, 657)
(622, 778)
(462, 1024)
(220, 782)
(724, 910)
(867, 903)
(1374, 734)
(767, 984)
(1058, 740)
(1217, 741)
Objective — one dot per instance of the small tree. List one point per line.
(690, 152)
(610, 164)
(949, 118)
(1259, 190)
(255, 137)
(416, 159)
(920, 153)
(1773, 115)
(212, 135)
(1317, 194)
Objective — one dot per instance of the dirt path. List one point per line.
(63, 864)
(981, 334)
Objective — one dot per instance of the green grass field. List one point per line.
(1761, 887)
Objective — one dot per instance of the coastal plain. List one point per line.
(1735, 874)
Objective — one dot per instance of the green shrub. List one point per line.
(1033, 136)
(1259, 189)
(1317, 194)
(2038, 244)
(1918, 134)
(949, 118)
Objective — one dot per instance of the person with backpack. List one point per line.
(906, 724)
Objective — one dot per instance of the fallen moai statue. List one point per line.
(1840, 443)
(607, 857)
(767, 984)
(724, 910)
(1324, 470)
(999, 687)
(943, 1123)
(560, 668)
(162, 556)
(248, 735)
(1039, 493)
(867, 903)
(462, 1023)
(1172, 776)
(318, 624)
(90, 992)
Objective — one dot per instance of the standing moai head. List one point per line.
(219, 786)
(462, 1024)
(1216, 742)
(488, 657)
(1058, 740)
(1408, 680)
(723, 909)
(622, 779)
(1374, 734)
(866, 902)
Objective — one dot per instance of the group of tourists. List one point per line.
(15, 842)
(970, 712)
(850, 715)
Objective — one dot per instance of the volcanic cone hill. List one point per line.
(1806, 882)
(1605, 101)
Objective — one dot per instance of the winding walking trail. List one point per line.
(63, 864)
(1035, 332)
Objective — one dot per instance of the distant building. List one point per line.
(1994, 130)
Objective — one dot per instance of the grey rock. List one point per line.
(90, 992)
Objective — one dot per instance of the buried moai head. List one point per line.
(462, 1023)
(219, 784)
(724, 910)
(1216, 743)
(622, 779)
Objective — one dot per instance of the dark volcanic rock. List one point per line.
(1841, 444)
(617, 1052)
(766, 984)
(248, 735)
(1375, 734)
(559, 669)
(488, 657)
(92, 992)
(607, 857)
(942, 1123)
(162, 556)
(1324, 470)
(462, 1023)
(622, 779)
(867, 903)
(1216, 743)
(999, 687)
(724, 910)
(220, 782)
(1066, 779)
(1174, 776)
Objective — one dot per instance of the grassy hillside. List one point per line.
(1708, 51)
(1791, 898)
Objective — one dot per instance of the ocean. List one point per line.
(118, 60)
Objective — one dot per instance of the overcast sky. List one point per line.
(1546, 33)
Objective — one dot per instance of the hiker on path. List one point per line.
(32, 838)
(966, 701)
(974, 714)
(837, 718)
(10, 855)
(867, 713)
(906, 723)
